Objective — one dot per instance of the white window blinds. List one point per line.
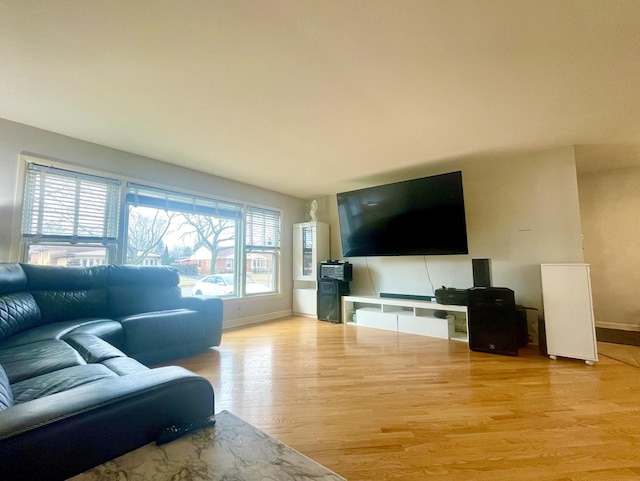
(262, 228)
(140, 195)
(69, 206)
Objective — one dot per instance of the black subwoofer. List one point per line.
(329, 302)
(492, 321)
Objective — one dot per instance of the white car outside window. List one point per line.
(222, 285)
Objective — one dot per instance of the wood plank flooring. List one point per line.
(377, 405)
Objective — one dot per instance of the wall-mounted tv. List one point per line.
(423, 216)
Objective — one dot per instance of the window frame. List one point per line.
(153, 197)
(116, 248)
(36, 210)
(256, 241)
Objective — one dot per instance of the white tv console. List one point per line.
(406, 315)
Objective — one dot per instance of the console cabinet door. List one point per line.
(310, 246)
(568, 311)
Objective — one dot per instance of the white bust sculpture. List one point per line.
(313, 210)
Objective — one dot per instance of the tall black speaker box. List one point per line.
(492, 320)
(481, 272)
(329, 294)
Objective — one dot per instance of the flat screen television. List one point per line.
(423, 216)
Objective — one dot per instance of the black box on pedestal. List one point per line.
(329, 299)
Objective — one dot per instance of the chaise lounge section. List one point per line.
(75, 346)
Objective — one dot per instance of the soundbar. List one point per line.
(413, 297)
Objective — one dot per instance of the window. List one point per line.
(68, 217)
(72, 218)
(195, 234)
(262, 245)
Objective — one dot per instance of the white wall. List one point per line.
(610, 210)
(16, 139)
(522, 210)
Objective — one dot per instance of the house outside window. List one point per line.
(258, 264)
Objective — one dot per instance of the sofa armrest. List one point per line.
(99, 421)
(210, 306)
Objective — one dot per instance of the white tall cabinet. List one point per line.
(310, 247)
(568, 311)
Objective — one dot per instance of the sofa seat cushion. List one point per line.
(124, 366)
(107, 329)
(59, 381)
(31, 360)
(93, 349)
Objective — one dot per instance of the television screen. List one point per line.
(416, 217)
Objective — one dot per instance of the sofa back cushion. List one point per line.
(12, 278)
(51, 278)
(66, 293)
(62, 305)
(18, 309)
(6, 395)
(126, 275)
(137, 289)
(18, 312)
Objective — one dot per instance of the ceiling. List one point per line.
(311, 98)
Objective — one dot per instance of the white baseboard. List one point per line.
(247, 321)
(618, 326)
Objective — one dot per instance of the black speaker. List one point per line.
(329, 294)
(481, 272)
(492, 321)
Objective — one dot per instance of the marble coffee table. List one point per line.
(231, 450)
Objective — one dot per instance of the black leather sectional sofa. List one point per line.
(75, 346)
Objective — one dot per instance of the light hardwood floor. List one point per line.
(377, 405)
